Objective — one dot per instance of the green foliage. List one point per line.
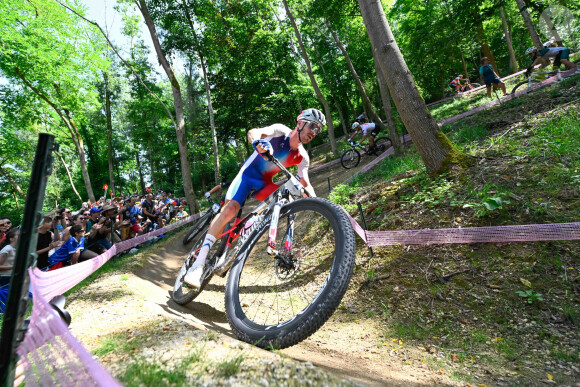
(530, 296)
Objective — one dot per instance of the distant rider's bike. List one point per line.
(469, 86)
(289, 260)
(351, 157)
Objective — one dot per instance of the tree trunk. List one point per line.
(109, 131)
(70, 180)
(329, 85)
(508, 40)
(178, 106)
(321, 98)
(13, 182)
(151, 166)
(140, 170)
(465, 71)
(485, 47)
(386, 98)
(433, 146)
(552, 28)
(216, 156)
(217, 174)
(369, 108)
(529, 24)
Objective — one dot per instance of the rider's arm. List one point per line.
(268, 131)
(303, 173)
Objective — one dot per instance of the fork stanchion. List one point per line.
(362, 216)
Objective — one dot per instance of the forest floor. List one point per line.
(463, 315)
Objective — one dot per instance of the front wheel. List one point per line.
(523, 84)
(350, 158)
(279, 301)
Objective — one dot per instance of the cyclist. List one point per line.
(256, 175)
(456, 84)
(561, 55)
(367, 129)
(490, 77)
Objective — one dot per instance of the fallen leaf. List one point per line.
(550, 377)
(454, 357)
(526, 282)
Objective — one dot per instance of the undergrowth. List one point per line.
(482, 312)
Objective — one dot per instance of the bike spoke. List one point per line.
(273, 290)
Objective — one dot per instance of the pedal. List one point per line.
(271, 251)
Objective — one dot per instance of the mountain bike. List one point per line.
(289, 261)
(531, 79)
(351, 157)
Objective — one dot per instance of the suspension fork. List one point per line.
(272, 248)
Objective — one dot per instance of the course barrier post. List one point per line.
(362, 215)
(13, 330)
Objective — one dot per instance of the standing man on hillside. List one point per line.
(257, 173)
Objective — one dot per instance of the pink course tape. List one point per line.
(497, 234)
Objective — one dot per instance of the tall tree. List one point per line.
(529, 24)
(313, 81)
(508, 40)
(178, 106)
(369, 108)
(35, 49)
(437, 152)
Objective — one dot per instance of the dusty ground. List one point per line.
(127, 305)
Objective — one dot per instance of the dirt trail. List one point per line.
(351, 348)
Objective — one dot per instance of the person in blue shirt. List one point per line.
(489, 76)
(71, 251)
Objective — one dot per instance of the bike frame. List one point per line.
(242, 227)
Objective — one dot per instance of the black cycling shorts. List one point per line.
(376, 131)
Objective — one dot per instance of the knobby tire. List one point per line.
(275, 305)
(197, 227)
(525, 83)
(382, 143)
(350, 158)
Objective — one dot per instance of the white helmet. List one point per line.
(355, 125)
(312, 115)
(530, 50)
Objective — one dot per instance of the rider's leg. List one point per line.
(489, 91)
(228, 211)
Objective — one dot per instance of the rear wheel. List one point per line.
(197, 227)
(474, 85)
(279, 301)
(522, 85)
(182, 292)
(382, 144)
(350, 158)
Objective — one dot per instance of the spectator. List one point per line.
(99, 230)
(76, 219)
(5, 224)
(72, 250)
(45, 243)
(148, 209)
(7, 255)
(490, 77)
(129, 219)
(181, 213)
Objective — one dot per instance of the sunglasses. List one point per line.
(5, 224)
(315, 128)
(82, 218)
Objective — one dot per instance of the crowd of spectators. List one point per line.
(67, 237)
